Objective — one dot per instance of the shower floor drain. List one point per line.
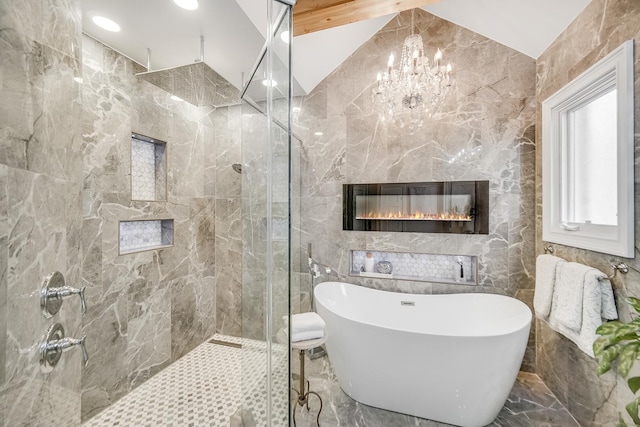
(227, 343)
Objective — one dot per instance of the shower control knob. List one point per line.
(55, 343)
(54, 290)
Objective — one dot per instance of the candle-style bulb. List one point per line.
(448, 68)
(438, 55)
(415, 54)
(390, 63)
(379, 78)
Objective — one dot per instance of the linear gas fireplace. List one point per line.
(421, 207)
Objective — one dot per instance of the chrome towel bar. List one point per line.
(621, 266)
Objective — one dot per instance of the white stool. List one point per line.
(303, 396)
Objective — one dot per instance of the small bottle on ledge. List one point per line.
(459, 270)
(369, 263)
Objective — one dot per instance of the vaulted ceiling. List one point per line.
(329, 30)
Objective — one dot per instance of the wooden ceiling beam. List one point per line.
(316, 15)
(304, 6)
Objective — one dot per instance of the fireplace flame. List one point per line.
(421, 216)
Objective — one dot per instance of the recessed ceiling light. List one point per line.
(318, 134)
(106, 24)
(187, 4)
(267, 82)
(176, 98)
(285, 36)
(78, 79)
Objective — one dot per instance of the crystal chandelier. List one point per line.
(415, 87)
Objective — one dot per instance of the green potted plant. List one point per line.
(621, 341)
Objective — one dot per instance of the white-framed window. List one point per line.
(587, 158)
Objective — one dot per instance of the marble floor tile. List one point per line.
(530, 404)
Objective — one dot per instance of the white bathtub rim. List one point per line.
(525, 322)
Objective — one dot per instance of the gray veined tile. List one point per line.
(106, 322)
(24, 17)
(530, 403)
(22, 66)
(63, 26)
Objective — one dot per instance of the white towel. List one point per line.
(307, 335)
(545, 280)
(597, 303)
(305, 326)
(608, 310)
(306, 322)
(568, 294)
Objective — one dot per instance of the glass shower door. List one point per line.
(266, 142)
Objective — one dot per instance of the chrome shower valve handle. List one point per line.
(54, 290)
(55, 343)
(68, 342)
(65, 291)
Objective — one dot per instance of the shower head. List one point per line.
(237, 167)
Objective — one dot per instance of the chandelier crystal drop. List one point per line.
(413, 88)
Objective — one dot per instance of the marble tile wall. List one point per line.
(490, 110)
(40, 207)
(227, 186)
(149, 308)
(569, 373)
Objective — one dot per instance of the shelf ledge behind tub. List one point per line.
(418, 267)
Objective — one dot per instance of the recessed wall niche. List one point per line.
(144, 235)
(417, 267)
(148, 168)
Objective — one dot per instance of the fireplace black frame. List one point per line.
(479, 207)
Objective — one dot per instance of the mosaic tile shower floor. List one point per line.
(204, 389)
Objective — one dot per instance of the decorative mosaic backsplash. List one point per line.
(148, 169)
(136, 236)
(419, 267)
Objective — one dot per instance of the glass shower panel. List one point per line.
(266, 140)
(280, 108)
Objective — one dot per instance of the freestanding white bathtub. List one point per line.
(450, 358)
